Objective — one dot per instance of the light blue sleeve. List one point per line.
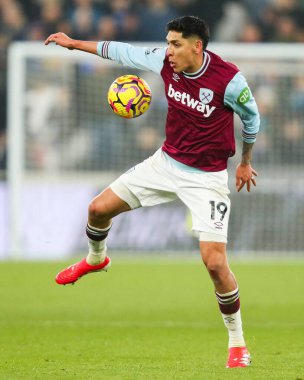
(239, 97)
(136, 57)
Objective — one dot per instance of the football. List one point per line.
(129, 96)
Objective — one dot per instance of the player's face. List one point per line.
(185, 54)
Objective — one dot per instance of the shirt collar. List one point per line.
(201, 70)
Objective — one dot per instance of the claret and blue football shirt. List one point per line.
(199, 125)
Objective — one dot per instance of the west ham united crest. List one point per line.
(205, 95)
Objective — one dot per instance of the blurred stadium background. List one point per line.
(60, 144)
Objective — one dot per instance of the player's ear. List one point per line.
(198, 46)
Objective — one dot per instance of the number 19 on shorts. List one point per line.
(218, 210)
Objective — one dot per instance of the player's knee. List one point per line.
(98, 210)
(214, 265)
(214, 260)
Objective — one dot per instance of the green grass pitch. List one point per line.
(147, 319)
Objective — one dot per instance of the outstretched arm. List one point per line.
(244, 172)
(141, 58)
(65, 41)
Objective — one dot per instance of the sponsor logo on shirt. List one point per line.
(185, 98)
(244, 96)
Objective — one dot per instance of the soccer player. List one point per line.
(203, 92)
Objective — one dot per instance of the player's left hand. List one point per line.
(245, 174)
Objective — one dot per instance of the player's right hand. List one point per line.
(60, 39)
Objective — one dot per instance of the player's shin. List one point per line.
(97, 244)
(229, 304)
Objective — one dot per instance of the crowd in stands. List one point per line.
(141, 20)
(144, 20)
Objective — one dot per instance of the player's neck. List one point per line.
(197, 66)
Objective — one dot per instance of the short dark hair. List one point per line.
(190, 26)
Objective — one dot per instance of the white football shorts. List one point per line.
(159, 180)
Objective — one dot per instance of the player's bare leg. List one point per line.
(101, 211)
(215, 259)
